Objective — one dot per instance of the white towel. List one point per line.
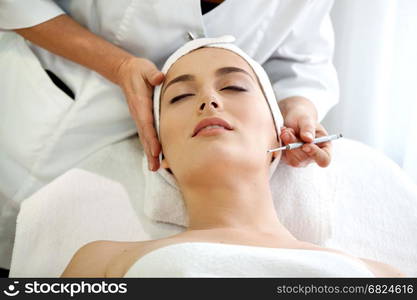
(201, 259)
(59, 219)
(163, 199)
(303, 199)
(370, 201)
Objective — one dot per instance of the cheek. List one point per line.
(258, 126)
(174, 129)
(254, 117)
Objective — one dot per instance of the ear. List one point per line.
(165, 165)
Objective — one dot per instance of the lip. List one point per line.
(211, 121)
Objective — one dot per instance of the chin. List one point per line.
(217, 152)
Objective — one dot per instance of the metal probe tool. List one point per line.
(315, 141)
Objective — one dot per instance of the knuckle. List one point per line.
(148, 124)
(145, 147)
(306, 120)
(294, 163)
(150, 131)
(144, 120)
(140, 132)
(289, 161)
(144, 142)
(149, 157)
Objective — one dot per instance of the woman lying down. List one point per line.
(216, 117)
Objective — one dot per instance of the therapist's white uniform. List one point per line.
(43, 132)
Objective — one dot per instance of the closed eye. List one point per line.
(180, 97)
(235, 88)
(231, 87)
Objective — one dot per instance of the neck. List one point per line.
(233, 202)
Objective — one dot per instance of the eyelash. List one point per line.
(231, 87)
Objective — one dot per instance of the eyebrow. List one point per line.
(219, 72)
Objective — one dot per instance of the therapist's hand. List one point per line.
(137, 78)
(300, 120)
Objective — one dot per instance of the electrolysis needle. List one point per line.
(315, 141)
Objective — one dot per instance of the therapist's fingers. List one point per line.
(307, 128)
(146, 131)
(153, 77)
(321, 153)
(296, 157)
(138, 81)
(152, 145)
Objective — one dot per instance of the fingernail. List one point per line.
(308, 134)
(150, 166)
(307, 148)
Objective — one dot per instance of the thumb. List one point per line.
(155, 77)
(307, 129)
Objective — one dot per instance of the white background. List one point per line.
(376, 60)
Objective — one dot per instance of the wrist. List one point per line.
(120, 69)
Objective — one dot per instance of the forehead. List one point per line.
(207, 59)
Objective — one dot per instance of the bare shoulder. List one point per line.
(379, 269)
(91, 260)
(121, 263)
(101, 259)
(382, 269)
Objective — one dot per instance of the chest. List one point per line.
(155, 28)
(128, 255)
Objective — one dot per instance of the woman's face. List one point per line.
(208, 83)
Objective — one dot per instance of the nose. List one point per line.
(210, 103)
